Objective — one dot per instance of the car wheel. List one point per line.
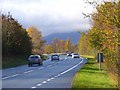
(41, 63)
(29, 65)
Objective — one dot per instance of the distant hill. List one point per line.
(74, 37)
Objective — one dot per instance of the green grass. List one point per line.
(14, 61)
(91, 77)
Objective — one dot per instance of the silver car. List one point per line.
(34, 59)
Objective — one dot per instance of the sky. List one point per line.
(49, 16)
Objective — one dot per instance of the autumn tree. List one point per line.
(84, 47)
(48, 49)
(68, 45)
(36, 37)
(55, 45)
(104, 34)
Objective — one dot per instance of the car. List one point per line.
(55, 57)
(35, 59)
(69, 54)
(75, 55)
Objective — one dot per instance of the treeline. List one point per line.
(18, 41)
(103, 36)
(59, 46)
(15, 40)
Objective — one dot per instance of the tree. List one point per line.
(36, 39)
(104, 34)
(15, 40)
(68, 45)
(48, 49)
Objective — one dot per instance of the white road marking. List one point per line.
(52, 78)
(44, 82)
(49, 66)
(10, 76)
(40, 68)
(48, 80)
(28, 71)
(59, 74)
(33, 87)
(55, 76)
(39, 84)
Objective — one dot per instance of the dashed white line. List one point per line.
(41, 68)
(28, 71)
(39, 84)
(10, 76)
(33, 87)
(48, 80)
(44, 82)
(55, 76)
(52, 78)
(49, 66)
(59, 74)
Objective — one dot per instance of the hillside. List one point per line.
(74, 37)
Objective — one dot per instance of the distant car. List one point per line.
(34, 59)
(55, 57)
(75, 55)
(69, 54)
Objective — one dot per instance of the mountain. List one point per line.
(74, 37)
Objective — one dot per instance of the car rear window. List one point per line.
(34, 57)
(75, 54)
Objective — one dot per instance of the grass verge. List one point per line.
(91, 77)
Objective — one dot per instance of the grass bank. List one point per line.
(14, 61)
(91, 77)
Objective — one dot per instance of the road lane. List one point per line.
(46, 76)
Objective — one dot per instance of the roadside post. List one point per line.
(100, 59)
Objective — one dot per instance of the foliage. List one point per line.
(104, 34)
(59, 46)
(48, 49)
(15, 40)
(37, 41)
(84, 47)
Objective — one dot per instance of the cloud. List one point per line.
(49, 16)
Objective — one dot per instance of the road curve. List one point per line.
(52, 74)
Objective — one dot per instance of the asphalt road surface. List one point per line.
(52, 74)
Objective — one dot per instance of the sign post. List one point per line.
(100, 59)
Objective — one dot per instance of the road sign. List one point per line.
(100, 57)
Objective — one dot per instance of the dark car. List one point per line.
(55, 57)
(34, 59)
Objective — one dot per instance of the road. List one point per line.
(52, 74)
